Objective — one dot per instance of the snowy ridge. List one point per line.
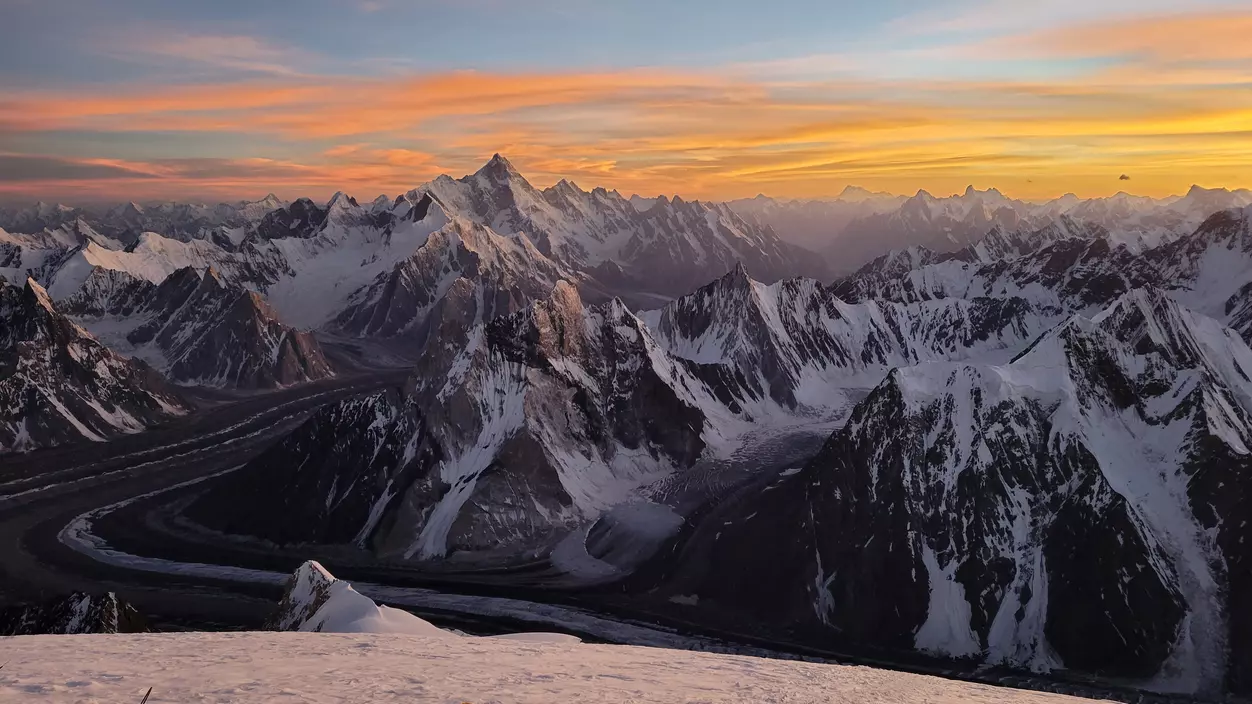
(545, 419)
(1049, 503)
(316, 602)
(198, 328)
(799, 344)
(1208, 270)
(504, 273)
(667, 249)
(58, 384)
(948, 225)
(516, 431)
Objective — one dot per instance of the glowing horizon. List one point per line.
(160, 102)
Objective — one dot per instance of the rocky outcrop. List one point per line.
(72, 615)
(797, 343)
(58, 384)
(308, 590)
(213, 333)
(199, 328)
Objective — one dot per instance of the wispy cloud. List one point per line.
(161, 46)
(1168, 99)
(1210, 37)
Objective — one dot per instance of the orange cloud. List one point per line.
(1177, 109)
(1173, 38)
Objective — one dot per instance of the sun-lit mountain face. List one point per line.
(722, 100)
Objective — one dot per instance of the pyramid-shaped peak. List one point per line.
(212, 274)
(342, 200)
(738, 277)
(39, 295)
(498, 166)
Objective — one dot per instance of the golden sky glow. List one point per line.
(1165, 99)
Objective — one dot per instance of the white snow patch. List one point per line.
(947, 628)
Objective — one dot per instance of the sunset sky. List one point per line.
(147, 99)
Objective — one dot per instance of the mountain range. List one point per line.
(860, 226)
(1002, 433)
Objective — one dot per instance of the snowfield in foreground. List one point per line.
(378, 668)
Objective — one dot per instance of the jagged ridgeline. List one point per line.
(1019, 439)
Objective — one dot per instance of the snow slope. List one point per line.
(58, 384)
(1078, 508)
(321, 668)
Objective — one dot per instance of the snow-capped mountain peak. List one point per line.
(498, 170)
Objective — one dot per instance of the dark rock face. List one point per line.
(75, 614)
(212, 332)
(332, 481)
(303, 218)
(58, 384)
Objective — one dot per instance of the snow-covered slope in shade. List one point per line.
(1000, 244)
(514, 432)
(27, 256)
(152, 258)
(499, 274)
(326, 668)
(317, 602)
(1078, 509)
(538, 423)
(58, 384)
(198, 329)
(798, 344)
(1208, 271)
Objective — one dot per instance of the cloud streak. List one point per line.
(1170, 100)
